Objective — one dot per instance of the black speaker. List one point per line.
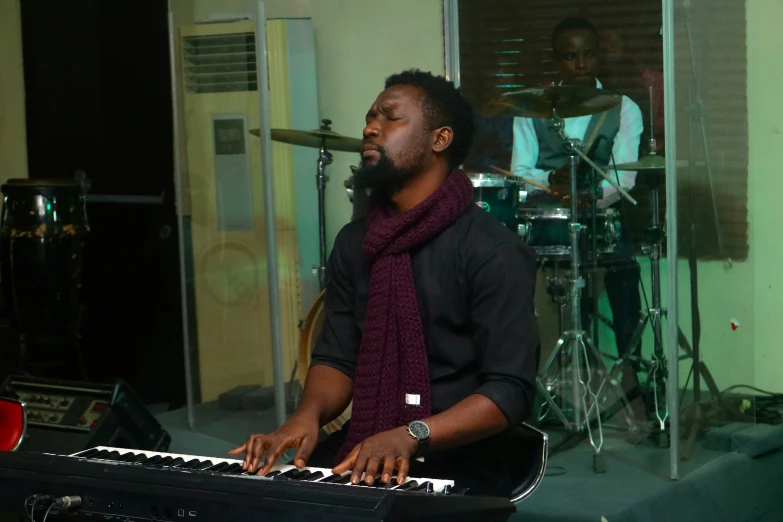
(65, 417)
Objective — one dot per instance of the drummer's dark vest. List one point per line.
(552, 154)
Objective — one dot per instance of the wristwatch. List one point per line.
(421, 432)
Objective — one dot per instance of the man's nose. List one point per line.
(371, 130)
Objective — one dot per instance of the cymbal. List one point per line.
(314, 138)
(569, 101)
(653, 162)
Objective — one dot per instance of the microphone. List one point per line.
(68, 501)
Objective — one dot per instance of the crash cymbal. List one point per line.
(570, 101)
(314, 138)
(653, 162)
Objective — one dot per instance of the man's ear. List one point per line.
(443, 137)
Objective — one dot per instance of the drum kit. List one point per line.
(554, 233)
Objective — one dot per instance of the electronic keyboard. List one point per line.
(133, 485)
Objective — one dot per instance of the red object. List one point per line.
(13, 424)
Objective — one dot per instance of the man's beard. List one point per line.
(383, 176)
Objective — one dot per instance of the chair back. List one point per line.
(13, 424)
(527, 453)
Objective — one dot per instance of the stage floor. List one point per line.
(716, 486)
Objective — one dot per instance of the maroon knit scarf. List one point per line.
(393, 356)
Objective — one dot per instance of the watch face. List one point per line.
(419, 430)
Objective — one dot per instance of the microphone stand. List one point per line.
(695, 418)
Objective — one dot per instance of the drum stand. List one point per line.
(324, 159)
(575, 344)
(656, 367)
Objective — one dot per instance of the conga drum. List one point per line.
(314, 324)
(42, 232)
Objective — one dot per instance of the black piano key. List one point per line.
(141, 457)
(204, 464)
(217, 468)
(392, 484)
(345, 480)
(297, 474)
(273, 473)
(233, 469)
(165, 461)
(101, 455)
(89, 453)
(177, 462)
(315, 476)
(113, 455)
(152, 460)
(126, 457)
(408, 485)
(190, 464)
(332, 478)
(446, 490)
(459, 491)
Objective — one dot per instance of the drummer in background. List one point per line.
(611, 137)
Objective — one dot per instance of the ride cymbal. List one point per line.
(314, 139)
(570, 101)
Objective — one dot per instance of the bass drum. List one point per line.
(314, 324)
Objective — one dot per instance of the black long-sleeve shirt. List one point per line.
(475, 284)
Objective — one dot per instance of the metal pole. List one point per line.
(671, 235)
(183, 291)
(269, 211)
(576, 295)
(451, 40)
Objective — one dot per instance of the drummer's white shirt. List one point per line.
(524, 155)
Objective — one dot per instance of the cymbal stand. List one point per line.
(656, 367)
(324, 159)
(575, 342)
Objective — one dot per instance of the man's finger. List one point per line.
(359, 466)
(306, 447)
(388, 469)
(260, 445)
(402, 465)
(371, 469)
(272, 455)
(248, 451)
(238, 450)
(348, 462)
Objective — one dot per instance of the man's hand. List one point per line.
(381, 454)
(301, 431)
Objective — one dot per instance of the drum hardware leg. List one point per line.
(576, 345)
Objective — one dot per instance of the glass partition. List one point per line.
(516, 61)
(223, 194)
(717, 290)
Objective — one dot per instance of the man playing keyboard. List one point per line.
(430, 326)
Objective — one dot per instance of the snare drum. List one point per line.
(546, 230)
(499, 195)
